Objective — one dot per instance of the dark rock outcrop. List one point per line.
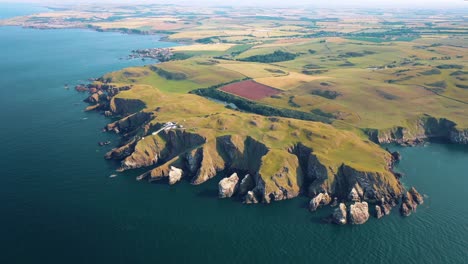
(250, 198)
(419, 130)
(339, 216)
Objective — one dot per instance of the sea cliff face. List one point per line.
(287, 158)
(419, 130)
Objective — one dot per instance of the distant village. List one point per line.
(161, 54)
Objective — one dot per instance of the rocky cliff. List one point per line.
(419, 130)
(273, 158)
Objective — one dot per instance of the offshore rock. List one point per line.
(250, 198)
(416, 196)
(339, 215)
(378, 212)
(408, 204)
(405, 211)
(175, 174)
(358, 213)
(320, 200)
(228, 186)
(386, 208)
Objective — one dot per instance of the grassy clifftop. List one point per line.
(280, 153)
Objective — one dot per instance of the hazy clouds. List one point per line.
(318, 3)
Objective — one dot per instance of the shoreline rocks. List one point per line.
(250, 198)
(175, 174)
(246, 184)
(378, 212)
(339, 216)
(320, 200)
(410, 202)
(358, 213)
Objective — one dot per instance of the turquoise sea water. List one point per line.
(19, 9)
(58, 205)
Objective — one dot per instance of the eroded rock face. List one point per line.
(354, 196)
(459, 136)
(250, 198)
(319, 200)
(378, 212)
(339, 216)
(358, 213)
(175, 174)
(228, 186)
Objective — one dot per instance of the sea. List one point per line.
(59, 205)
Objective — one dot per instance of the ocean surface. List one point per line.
(58, 204)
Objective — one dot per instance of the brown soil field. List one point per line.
(250, 89)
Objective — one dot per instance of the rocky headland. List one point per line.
(260, 168)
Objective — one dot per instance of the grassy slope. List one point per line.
(199, 115)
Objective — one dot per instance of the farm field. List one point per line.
(250, 89)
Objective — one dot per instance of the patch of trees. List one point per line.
(210, 40)
(353, 54)
(176, 76)
(313, 72)
(347, 64)
(458, 73)
(326, 94)
(180, 56)
(322, 113)
(257, 108)
(275, 71)
(276, 56)
(439, 84)
(292, 103)
(312, 66)
(431, 72)
(450, 66)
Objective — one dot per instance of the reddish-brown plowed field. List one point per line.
(250, 89)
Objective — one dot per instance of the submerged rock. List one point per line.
(358, 213)
(319, 200)
(228, 186)
(339, 215)
(175, 174)
(250, 198)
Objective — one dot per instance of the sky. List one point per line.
(318, 3)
